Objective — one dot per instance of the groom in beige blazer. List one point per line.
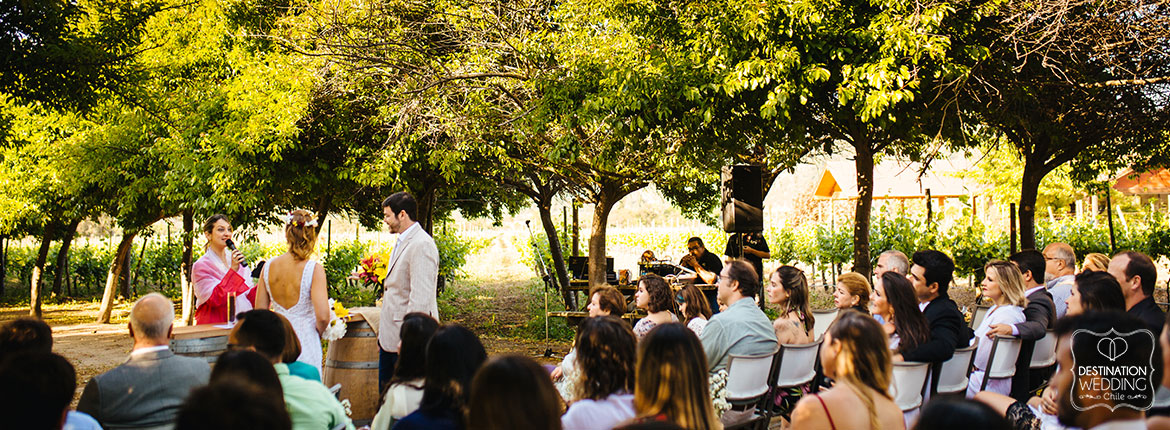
(411, 279)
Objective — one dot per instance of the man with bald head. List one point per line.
(1060, 267)
(146, 391)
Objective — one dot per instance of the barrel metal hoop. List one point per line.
(336, 364)
(363, 333)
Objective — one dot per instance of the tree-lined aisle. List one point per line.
(146, 111)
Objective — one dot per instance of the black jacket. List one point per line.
(1149, 312)
(947, 331)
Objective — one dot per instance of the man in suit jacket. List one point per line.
(147, 390)
(411, 279)
(1039, 316)
(931, 274)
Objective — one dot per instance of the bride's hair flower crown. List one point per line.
(290, 220)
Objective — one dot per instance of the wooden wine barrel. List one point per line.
(206, 341)
(352, 361)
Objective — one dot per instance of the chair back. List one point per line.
(952, 376)
(1044, 351)
(908, 384)
(796, 364)
(822, 319)
(1002, 361)
(978, 315)
(747, 376)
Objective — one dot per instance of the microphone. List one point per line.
(232, 246)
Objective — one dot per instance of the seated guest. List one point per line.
(406, 387)
(292, 350)
(250, 367)
(648, 257)
(895, 302)
(1039, 316)
(855, 355)
(957, 413)
(233, 404)
(1060, 265)
(1158, 416)
(852, 292)
(788, 290)
(1095, 291)
(606, 353)
(605, 300)
(1096, 262)
(513, 392)
(892, 260)
(1054, 409)
(931, 274)
(693, 307)
(453, 356)
(1137, 274)
(36, 388)
(654, 297)
(1003, 286)
(29, 334)
(310, 405)
(148, 389)
(706, 266)
(671, 386)
(25, 334)
(742, 329)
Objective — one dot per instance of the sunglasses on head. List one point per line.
(679, 298)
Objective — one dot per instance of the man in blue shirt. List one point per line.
(742, 329)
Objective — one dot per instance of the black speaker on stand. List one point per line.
(743, 198)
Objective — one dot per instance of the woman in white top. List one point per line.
(693, 307)
(294, 286)
(406, 387)
(655, 298)
(1004, 286)
(606, 354)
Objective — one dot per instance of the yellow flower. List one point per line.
(340, 310)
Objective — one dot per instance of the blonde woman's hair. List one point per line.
(1010, 280)
(1096, 262)
(864, 360)
(672, 378)
(301, 236)
(857, 285)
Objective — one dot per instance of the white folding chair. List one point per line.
(1044, 352)
(822, 319)
(952, 375)
(747, 384)
(1001, 363)
(979, 314)
(908, 384)
(795, 365)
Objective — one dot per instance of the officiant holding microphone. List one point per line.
(222, 279)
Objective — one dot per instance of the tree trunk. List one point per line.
(124, 278)
(1029, 188)
(554, 250)
(35, 282)
(113, 276)
(864, 164)
(62, 267)
(138, 265)
(323, 206)
(426, 207)
(603, 204)
(185, 287)
(3, 264)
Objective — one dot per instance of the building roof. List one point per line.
(1152, 182)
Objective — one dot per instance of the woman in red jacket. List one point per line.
(220, 275)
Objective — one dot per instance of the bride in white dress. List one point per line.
(295, 286)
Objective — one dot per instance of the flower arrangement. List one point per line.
(374, 269)
(718, 388)
(336, 329)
